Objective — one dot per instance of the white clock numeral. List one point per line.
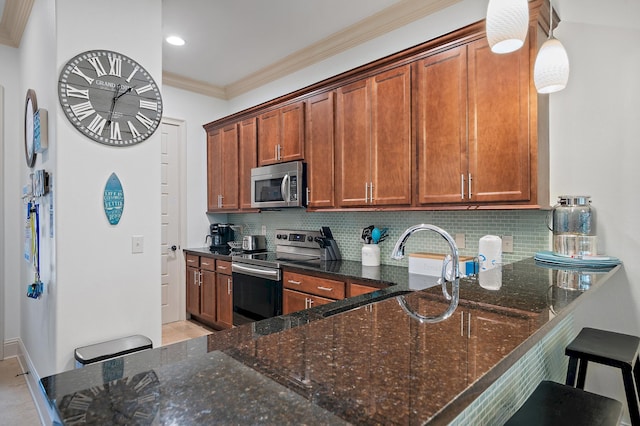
(83, 110)
(141, 415)
(143, 383)
(133, 130)
(150, 397)
(77, 71)
(80, 419)
(143, 89)
(97, 124)
(97, 65)
(115, 131)
(115, 66)
(149, 105)
(77, 93)
(80, 401)
(135, 70)
(146, 121)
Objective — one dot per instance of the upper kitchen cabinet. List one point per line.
(222, 169)
(373, 140)
(319, 150)
(281, 134)
(247, 159)
(476, 127)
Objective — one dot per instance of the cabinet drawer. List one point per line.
(314, 285)
(358, 289)
(193, 260)
(223, 267)
(207, 263)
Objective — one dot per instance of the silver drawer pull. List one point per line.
(294, 282)
(206, 264)
(191, 261)
(222, 267)
(325, 288)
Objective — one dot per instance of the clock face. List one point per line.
(110, 98)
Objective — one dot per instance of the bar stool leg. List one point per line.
(582, 373)
(571, 371)
(636, 374)
(632, 399)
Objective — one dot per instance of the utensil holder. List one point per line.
(370, 255)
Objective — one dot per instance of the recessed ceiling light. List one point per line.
(175, 40)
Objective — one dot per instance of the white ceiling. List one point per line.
(235, 45)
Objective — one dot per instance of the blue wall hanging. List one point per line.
(113, 199)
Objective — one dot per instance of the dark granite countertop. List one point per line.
(360, 360)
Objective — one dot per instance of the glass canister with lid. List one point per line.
(574, 226)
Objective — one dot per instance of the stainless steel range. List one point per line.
(257, 277)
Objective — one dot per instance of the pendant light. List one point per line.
(551, 69)
(507, 24)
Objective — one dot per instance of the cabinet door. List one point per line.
(492, 335)
(293, 301)
(229, 165)
(214, 171)
(319, 150)
(208, 296)
(224, 295)
(193, 290)
(247, 159)
(358, 289)
(353, 143)
(292, 133)
(391, 137)
(498, 124)
(442, 127)
(268, 137)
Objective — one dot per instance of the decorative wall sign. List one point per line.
(40, 131)
(113, 199)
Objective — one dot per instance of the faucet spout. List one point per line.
(398, 253)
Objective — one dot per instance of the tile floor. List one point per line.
(17, 406)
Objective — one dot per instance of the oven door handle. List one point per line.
(256, 271)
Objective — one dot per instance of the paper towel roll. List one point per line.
(489, 252)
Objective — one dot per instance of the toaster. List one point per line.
(254, 243)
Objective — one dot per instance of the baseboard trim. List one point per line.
(11, 348)
(47, 416)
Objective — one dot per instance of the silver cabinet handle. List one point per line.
(228, 285)
(195, 277)
(462, 186)
(205, 263)
(222, 267)
(462, 323)
(294, 282)
(469, 185)
(310, 302)
(191, 261)
(366, 192)
(324, 288)
(469, 326)
(279, 152)
(371, 192)
(308, 195)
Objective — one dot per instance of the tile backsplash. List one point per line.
(528, 228)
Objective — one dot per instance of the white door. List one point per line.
(173, 298)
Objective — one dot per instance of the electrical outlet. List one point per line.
(264, 229)
(137, 244)
(507, 243)
(460, 241)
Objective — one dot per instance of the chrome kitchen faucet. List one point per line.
(398, 253)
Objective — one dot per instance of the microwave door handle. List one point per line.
(285, 188)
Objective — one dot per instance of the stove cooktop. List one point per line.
(273, 259)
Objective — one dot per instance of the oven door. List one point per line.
(257, 293)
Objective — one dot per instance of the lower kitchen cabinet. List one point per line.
(193, 290)
(302, 291)
(224, 294)
(294, 301)
(356, 289)
(208, 296)
(209, 291)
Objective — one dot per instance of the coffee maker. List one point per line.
(221, 234)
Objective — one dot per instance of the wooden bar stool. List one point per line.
(555, 404)
(608, 348)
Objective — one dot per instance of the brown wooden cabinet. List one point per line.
(302, 291)
(209, 290)
(373, 140)
(247, 159)
(281, 134)
(224, 294)
(473, 126)
(222, 169)
(319, 150)
(356, 289)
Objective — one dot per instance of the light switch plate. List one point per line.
(460, 241)
(137, 244)
(507, 243)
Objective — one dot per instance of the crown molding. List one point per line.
(176, 80)
(14, 20)
(389, 19)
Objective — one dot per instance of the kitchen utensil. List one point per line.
(366, 234)
(375, 235)
(326, 232)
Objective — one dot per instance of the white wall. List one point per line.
(195, 110)
(595, 123)
(13, 147)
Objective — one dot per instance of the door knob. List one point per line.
(174, 248)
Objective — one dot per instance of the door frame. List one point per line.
(182, 227)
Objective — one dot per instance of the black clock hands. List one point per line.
(116, 95)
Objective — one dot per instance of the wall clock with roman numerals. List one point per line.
(110, 98)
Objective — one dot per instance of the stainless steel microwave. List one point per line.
(278, 185)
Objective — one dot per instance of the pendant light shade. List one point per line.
(507, 24)
(551, 69)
